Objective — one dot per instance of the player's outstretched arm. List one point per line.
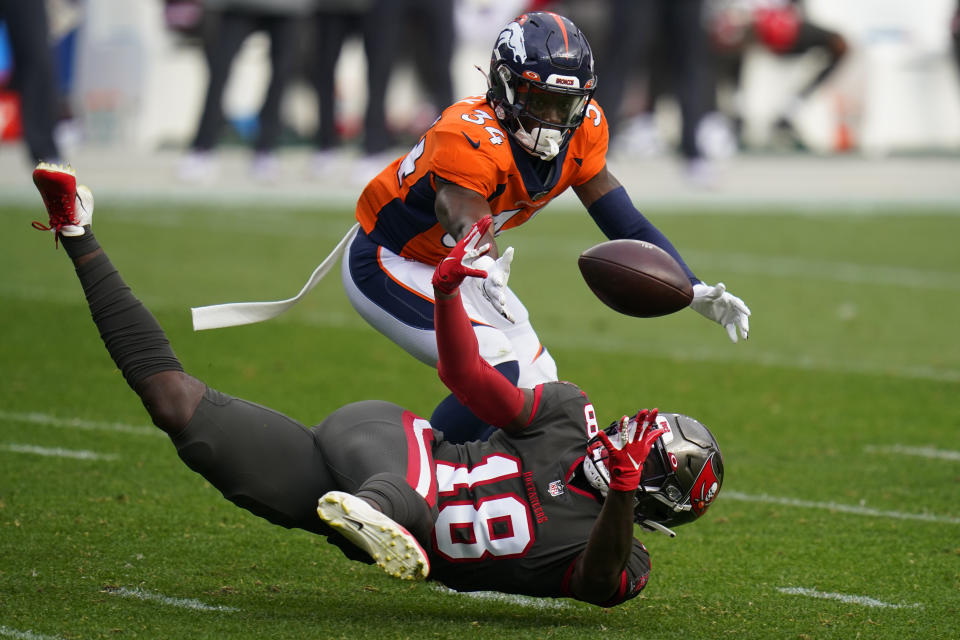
(598, 571)
(483, 389)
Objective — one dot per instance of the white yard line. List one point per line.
(921, 452)
(834, 506)
(508, 598)
(846, 598)
(150, 596)
(842, 272)
(57, 452)
(24, 635)
(33, 417)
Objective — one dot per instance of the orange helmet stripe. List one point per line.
(563, 29)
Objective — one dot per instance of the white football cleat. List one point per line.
(393, 548)
(83, 208)
(69, 207)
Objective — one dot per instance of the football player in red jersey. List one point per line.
(783, 28)
(545, 507)
(535, 134)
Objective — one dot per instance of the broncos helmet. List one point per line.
(541, 80)
(680, 478)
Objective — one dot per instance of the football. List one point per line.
(636, 278)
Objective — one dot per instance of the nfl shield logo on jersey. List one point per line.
(556, 488)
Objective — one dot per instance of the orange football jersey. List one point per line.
(466, 146)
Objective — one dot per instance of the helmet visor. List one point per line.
(552, 108)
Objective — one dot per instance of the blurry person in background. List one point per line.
(955, 34)
(392, 31)
(66, 19)
(634, 29)
(334, 21)
(227, 24)
(431, 57)
(34, 76)
(781, 27)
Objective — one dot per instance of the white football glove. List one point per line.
(715, 303)
(494, 286)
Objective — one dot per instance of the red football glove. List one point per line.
(456, 266)
(626, 463)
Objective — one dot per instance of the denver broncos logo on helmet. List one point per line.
(512, 37)
(705, 487)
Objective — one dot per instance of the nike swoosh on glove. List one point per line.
(717, 304)
(494, 286)
(625, 464)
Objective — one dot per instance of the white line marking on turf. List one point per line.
(77, 423)
(843, 508)
(57, 452)
(614, 343)
(842, 272)
(842, 597)
(183, 603)
(922, 452)
(508, 598)
(24, 635)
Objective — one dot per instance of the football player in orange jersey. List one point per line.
(535, 134)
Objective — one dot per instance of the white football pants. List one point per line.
(395, 296)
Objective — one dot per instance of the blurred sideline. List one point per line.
(750, 182)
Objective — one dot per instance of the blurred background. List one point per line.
(706, 98)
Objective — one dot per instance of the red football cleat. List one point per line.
(69, 207)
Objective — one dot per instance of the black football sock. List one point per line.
(133, 337)
(80, 245)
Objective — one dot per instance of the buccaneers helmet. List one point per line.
(541, 80)
(680, 478)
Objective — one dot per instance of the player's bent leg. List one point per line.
(171, 397)
(383, 453)
(258, 458)
(371, 449)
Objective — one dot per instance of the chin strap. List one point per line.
(650, 525)
(486, 76)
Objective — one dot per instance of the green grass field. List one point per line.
(839, 421)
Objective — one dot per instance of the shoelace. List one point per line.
(58, 215)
